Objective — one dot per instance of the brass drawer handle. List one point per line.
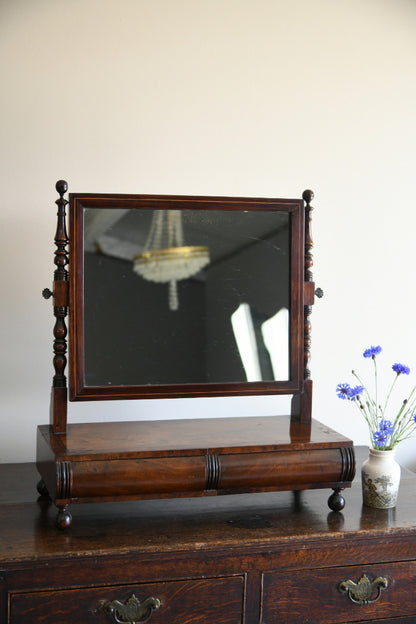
(132, 611)
(361, 592)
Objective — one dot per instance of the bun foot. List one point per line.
(336, 501)
(42, 489)
(63, 518)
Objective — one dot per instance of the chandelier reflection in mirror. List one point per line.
(165, 258)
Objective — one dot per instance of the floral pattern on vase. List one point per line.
(380, 477)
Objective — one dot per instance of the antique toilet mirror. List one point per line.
(176, 296)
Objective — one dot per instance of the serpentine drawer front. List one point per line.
(201, 601)
(335, 595)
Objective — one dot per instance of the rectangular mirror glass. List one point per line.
(184, 297)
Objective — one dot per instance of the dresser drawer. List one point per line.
(199, 601)
(334, 595)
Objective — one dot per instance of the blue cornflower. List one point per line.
(372, 352)
(380, 438)
(355, 392)
(343, 390)
(414, 417)
(401, 369)
(386, 426)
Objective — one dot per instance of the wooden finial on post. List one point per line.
(61, 237)
(60, 309)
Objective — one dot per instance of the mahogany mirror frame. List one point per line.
(78, 390)
(69, 295)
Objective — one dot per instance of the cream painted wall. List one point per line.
(234, 97)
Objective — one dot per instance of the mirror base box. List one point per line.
(186, 458)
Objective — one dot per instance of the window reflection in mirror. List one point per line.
(263, 347)
(231, 318)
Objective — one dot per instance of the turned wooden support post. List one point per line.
(306, 397)
(302, 403)
(60, 309)
(309, 284)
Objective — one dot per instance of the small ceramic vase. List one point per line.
(380, 478)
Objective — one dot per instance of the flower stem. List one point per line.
(388, 396)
